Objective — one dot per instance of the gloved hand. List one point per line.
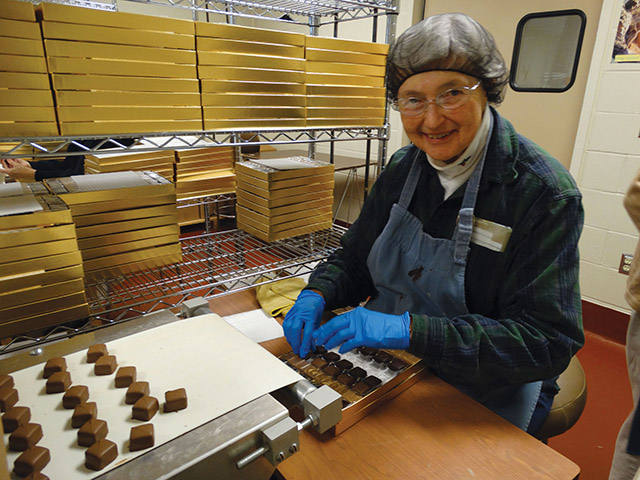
(365, 328)
(305, 314)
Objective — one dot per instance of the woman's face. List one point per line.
(443, 134)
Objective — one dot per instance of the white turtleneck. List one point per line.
(454, 174)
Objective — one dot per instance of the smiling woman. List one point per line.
(467, 243)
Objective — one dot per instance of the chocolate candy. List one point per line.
(367, 351)
(125, 377)
(344, 364)
(332, 370)
(331, 357)
(100, 454)
(75, 396)
(8, 398)
(372, 381)
(6, 381)
(83, 413)
(95, 352)
(53, 365)
(105, 365)
(135, 391)
(58, 382)
(32, 460)
(15, 417)
(92, 431)
(145, 408)
(175, 400)
(396, 365)
(25, 437)
(319, 350)
(141, 437)
(319, 363)
(382, 357)
(36, 476)
(346, 379)
(358, 372)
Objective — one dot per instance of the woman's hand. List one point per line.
(18, 169)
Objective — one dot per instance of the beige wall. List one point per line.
(549, 119)
(606, 158)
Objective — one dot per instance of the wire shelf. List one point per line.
(48, 147)
(290, 11)
(212, 265)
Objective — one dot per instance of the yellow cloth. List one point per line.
(277, 298)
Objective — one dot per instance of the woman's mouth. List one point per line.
(438, 136)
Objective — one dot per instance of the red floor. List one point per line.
(591, 440)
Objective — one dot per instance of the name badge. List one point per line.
(490, 235)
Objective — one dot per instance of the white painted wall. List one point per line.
(605, 160)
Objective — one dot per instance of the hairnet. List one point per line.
(451, 41)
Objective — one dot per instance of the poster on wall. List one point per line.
(627, 44)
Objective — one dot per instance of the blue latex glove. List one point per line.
(302, 319)
(365, 328)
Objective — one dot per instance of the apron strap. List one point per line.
(411, 181)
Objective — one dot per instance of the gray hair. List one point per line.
(451, 41)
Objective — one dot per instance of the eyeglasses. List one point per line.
(449, 99)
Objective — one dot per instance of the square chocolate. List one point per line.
(75, 396)
(83, 413)
(175, 400)
(346, 379)
(368, 351)
(361, 388)
(92, 431)
(100, 454)
(332, 370)
(382, 357)
(344, 364)
(331, 357)
(96, 351)
(58, 382)
(135, 391)
(6, 381)
(32, 460)
(25, 437)
(358, 372)
(53, 365)
(15, 417)
(145, 408)
(319, 350)
(141, 437)
(396, 365)
(8, 398)
(372, 381)
(105, 365)
(319, 363)
(125, 377)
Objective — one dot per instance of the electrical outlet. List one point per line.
(625, 263)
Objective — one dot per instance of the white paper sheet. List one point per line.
(109, 181)
(20, 204)
(220, 368)
(256, 325)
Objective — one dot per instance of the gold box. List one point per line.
(128, 236)
(128, 126)
(237, 32)
(41, 264)
(18, 10)
(275, 223)
(227, 86)
(121, 36)
(249, 198)
(21, 46)
(345, 69)
(250, 100)
(123, 215)
(29, 81)
(86, 16)
(27, 236)
(75, 114)
(345, 102)
(39, 321)
(272, 237)
(333, 91)
(19, 28)
(96, 66)
(131, 261)
(327, 43)
(233, 124)
(54, 212)
(340, 79)
(135, 201)
(41, 293)
(125, 226)
(149, 99)
(283, 169)
(214, 72)
(325, 201)
(123, 83)
(41, 278)
(129, 246)
(317, 55)
(208, 44)
(272, 185)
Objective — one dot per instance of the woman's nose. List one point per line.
(432, 116)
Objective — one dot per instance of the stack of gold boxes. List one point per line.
(117, 72)
(41, 275)
(117, 160)
(26, 102)
(251, 77)
(345, 82)
(282, 198)
(125, 221)
(205, 171)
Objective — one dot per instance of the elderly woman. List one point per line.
(468, 244)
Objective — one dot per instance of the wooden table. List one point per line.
(430, 431)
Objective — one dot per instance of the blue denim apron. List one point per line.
(415, 272)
